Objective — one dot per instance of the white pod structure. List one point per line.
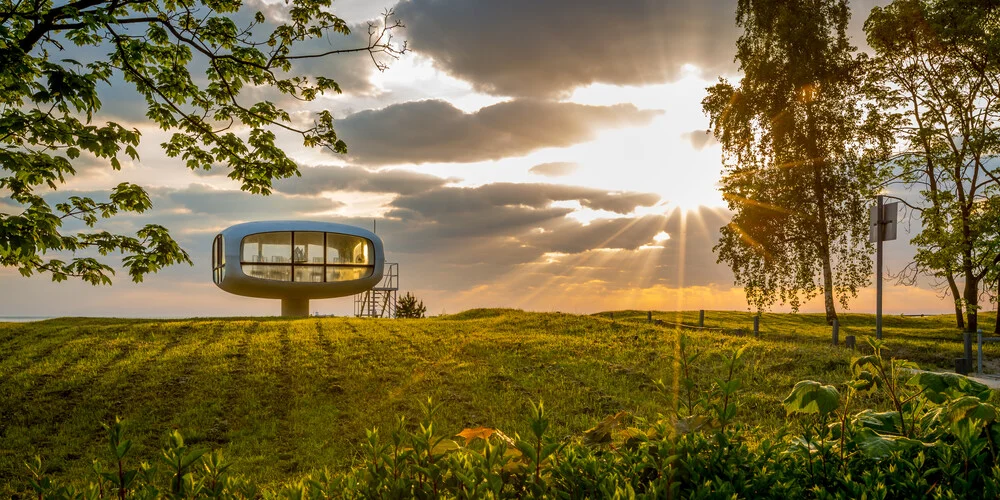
(296, 261)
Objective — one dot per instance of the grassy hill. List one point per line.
(283, 397)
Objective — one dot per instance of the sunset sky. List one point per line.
(539, 155)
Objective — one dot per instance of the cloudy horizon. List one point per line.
(512, 158)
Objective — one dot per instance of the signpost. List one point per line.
(882, 228)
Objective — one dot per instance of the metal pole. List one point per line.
(879, 234)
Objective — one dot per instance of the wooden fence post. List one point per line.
(836, 332)
(756, 325)
(701, 318)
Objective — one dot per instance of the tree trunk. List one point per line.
(831, 307)
(996, 325)
(959, 319)
(971, 303)
(823, 228)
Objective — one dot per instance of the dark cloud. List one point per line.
(453, 239)
(455, 254)
(700, 139)
(203, 200)
(546, 48)
(436, 131)
(449, 201)
(555, 169)
(315, 180)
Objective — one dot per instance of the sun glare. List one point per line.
(672, 156)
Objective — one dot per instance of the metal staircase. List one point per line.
(379, 302)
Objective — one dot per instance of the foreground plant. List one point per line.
(938, 439)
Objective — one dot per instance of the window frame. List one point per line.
(370, 267)
(218, 258)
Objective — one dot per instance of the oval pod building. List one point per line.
(296, 261)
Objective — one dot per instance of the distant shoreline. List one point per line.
(23, 319)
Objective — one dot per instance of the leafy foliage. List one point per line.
(410, 307)
(799, 152)
(49, 103)
(936, 71)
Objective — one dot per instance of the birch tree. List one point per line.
(799, 154)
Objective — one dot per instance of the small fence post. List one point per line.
(979, 350)
(849, 341)
(756, 325)
(612, 317)
(836, 332)
(701, 318)
(649, 316)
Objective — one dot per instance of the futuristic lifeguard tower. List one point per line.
(296, 261)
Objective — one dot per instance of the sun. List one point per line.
(673, 155)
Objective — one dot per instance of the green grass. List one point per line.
(284, 397)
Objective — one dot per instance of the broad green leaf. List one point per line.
(940, 387)
(878, 446)
(812, 397)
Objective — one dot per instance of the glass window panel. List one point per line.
(309, 274)
(215, 254)
(346, 249)
(222, 250)
(264, 272)
(347, 273)
(268, 247)
(308, 248)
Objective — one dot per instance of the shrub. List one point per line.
(938, 440)
(409, 307)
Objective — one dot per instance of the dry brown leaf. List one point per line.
(471, 435)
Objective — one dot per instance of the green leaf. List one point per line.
(812, 397)
(877, 446)
(940, 387)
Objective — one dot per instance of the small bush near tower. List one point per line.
(410, 307)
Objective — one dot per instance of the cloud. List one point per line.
(203, 200)
(315, 180)
(534, 48)
(352, 71)
(700, 139)
(436, 131)
(555, 169)
(445, 202)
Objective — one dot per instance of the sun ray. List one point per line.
(761, 204)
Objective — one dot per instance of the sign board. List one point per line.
(889, 212)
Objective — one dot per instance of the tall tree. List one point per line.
(938, 65)
(798, 151)
(55, 54)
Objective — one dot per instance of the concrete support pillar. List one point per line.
(295, 308)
